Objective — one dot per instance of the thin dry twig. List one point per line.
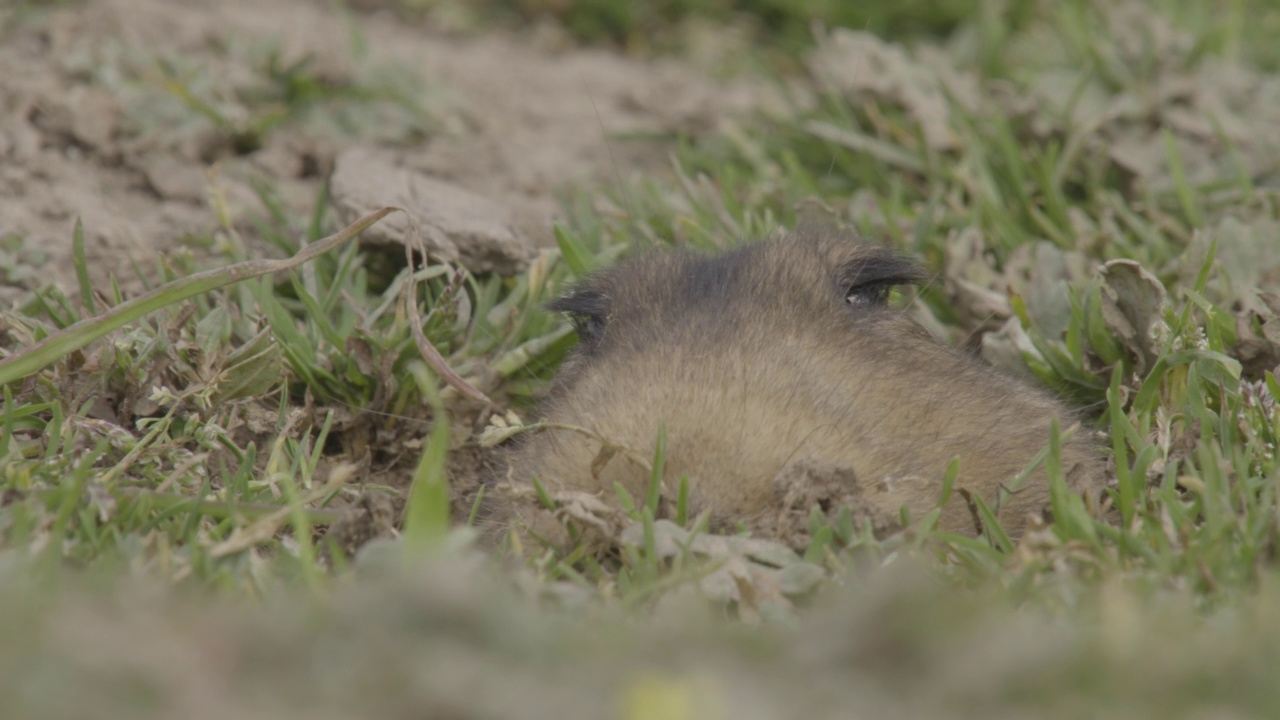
(429, 351)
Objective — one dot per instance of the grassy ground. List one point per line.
(1025, 153)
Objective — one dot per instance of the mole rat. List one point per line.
(780, 354)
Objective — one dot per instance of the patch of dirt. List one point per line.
(372, 516)
(90, 126)
(470, 467)
(803, 485)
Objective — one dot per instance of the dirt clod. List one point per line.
(457, 225)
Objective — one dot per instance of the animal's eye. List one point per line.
(588, 327)
(869, 279)
(869, 294)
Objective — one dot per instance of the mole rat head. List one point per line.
(773, 353)
(756, 295)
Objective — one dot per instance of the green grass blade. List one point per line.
(82, 333)
(426, 520)
(82, 268)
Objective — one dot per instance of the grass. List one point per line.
(785, 27)
(197, 435)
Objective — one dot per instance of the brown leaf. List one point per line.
(362, 353)
(1271, 300)
(1258, 344)
(1133, 302)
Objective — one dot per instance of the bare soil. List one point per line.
(91, 127)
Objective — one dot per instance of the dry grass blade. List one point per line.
(429, 351)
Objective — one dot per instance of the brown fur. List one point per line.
(755, 360)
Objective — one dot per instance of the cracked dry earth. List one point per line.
(486, 130)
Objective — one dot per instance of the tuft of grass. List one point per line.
(666, 26)
(185, 411)
(58, 345)
(284, 91)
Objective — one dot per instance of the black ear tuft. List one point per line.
(579, 302)
(588, 310)
(868, 280)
